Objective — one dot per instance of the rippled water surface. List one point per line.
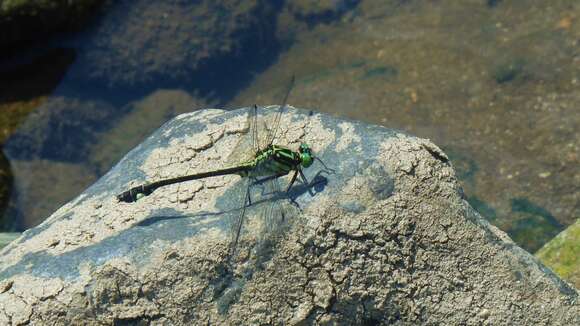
(494, 83)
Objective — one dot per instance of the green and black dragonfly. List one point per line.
(262, 163)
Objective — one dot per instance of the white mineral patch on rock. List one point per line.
(348, 137)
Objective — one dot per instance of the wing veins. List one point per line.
(276, 124)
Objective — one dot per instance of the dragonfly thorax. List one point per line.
(279, 160)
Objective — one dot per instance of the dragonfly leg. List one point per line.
(325, 167)
(292, 180)
(305, 181)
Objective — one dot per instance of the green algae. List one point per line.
(562, 254)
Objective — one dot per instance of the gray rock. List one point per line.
(139, 42)
(387, 238)
(62, 129)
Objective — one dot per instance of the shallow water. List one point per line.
(494, 83)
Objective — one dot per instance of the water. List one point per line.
(494, 83)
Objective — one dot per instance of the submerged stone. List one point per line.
(26, 20)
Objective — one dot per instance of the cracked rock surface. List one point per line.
(384, 238)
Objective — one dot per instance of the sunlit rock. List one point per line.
(384, 237)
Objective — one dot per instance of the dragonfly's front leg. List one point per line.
(304, 180)
(292, 180)
(306, 183)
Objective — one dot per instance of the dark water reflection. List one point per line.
(494, 83)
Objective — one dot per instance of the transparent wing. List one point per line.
(237, 224)
(247, 147)
(271, 206)
(274, 125)
(263, 128)
(277, 212)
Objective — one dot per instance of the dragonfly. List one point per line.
(263, 163)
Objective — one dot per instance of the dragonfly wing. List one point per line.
(247, 147)
(237, 224)
(269, 124)
(275, 126)
(277, 210)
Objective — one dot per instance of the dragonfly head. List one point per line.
(305, 155)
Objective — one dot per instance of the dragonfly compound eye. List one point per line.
(306, 159)
(305, 155)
